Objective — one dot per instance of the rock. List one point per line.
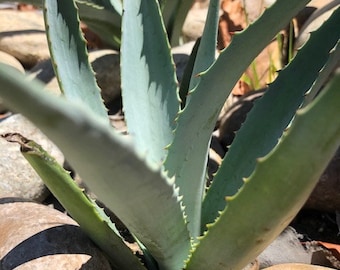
(325, 196)
(185, 49)
(44, 72)
(194, 24)
(319, 3)
(34, 236)
(254, 8)
(325, 254)
(11, 61)
(286, 248)
(322, 13)
(8, 5)
(201, 4)
(233, 115)
(297, 266)
(216, 154)
(181, 56)
(106, 65)
(22, 35)
(18, 178)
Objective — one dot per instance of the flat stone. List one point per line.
(22, 35)
(34, 236)
(18, 178)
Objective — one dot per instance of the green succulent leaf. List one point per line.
(154, 178)
(104, 22)
(261, 130)
(169, 9)
(184, 87)
(203, 56)
(69, 56)
(149, 86)
(187, 156)
(325, 73)
(207, 49)
(175, 13)
(82, 209)
(109, 166)
(276, 190)
(112, 5)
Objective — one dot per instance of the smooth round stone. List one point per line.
(106, 66)
(18, 178)
(34, 236)
(22, 35)
(297, 266)
(8, 59)
(194, 24)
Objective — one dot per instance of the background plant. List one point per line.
(264, 179)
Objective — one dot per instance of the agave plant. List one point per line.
(154, 180)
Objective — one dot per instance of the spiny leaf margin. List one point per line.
(69, 55)
(187, 155)
(149, 85)
(109, 166)
(91, 218)
(282, 180)
(261, 130)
